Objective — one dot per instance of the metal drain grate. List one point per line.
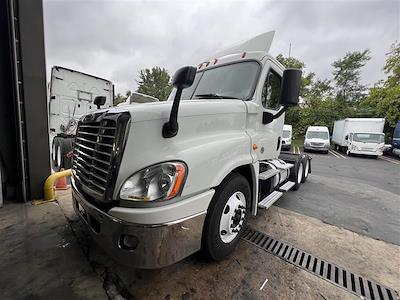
(343, 278)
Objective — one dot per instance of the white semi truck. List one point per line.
(159, 181)
(71, 96)
(362, 136)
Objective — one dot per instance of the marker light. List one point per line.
(159, 182)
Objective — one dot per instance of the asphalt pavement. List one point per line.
(360, 194)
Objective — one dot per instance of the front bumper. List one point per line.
(158, 245)
(316, 148)
(396, 151)
(363, 152)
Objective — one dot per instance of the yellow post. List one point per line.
(48, 188)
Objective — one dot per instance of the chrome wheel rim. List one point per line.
(232, 217)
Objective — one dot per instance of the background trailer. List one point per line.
(24, 143)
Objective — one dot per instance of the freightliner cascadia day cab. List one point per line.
(287, 135)
(159, 181)
(362, 136)
(72, 94)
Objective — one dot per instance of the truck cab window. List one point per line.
(232, 81)
(271, 91)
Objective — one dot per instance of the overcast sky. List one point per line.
(115, 39)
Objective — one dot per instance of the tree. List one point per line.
(346, 75)
(154, 82)
(384, 98)
(119, 98)
(306, 80)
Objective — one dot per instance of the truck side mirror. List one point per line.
(290, 87)
(346, 137)
(99, 101)
(183, 78)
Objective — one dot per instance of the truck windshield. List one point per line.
(286, 134)
(369, 137)
(235, 81)
(317, 135)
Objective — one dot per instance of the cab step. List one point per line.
(268, 174)
(270, 199)
(287, 186)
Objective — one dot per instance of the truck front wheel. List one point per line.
(226, 217)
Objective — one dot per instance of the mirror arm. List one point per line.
(170, 128)
(268, 117)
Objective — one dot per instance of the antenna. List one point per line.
(290, 49)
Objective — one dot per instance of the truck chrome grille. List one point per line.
(98, 145)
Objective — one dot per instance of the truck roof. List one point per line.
(64, 68)
(317, 128)
(255, 48)
(287, 127)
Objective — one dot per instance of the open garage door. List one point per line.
(24, 146)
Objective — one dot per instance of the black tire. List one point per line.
(298, 175)
(54, 152)
(212, 244)
(306, 168)
(60, 148)
(67, 144)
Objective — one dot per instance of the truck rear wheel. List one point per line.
(306, 167)
(226, 217)
(60, 149)
(298, 178)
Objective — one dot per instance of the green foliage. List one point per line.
(291, 62)
(326, 101)
(384, 98)
(154, 82)
(120, 98)
(346, 75)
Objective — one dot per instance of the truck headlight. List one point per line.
(159, 182)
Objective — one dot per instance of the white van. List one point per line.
(317, 138)
(287, 136)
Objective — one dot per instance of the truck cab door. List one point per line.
(268, 136)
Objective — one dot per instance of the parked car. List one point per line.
(287, 135)
(317, 139)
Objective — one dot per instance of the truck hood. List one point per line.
(187, 108)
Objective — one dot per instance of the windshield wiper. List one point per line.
(215, 96)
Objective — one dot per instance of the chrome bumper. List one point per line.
(157, 245)
(317, 148)
(363, 152)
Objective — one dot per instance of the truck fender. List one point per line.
(250, 172)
